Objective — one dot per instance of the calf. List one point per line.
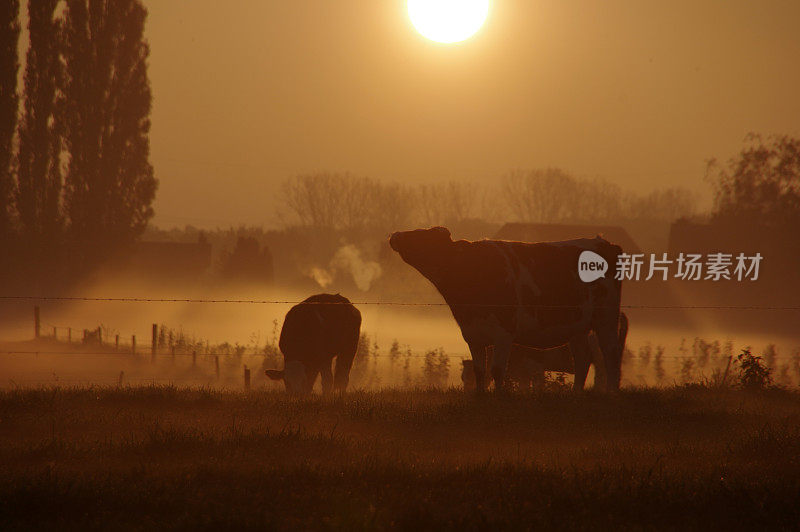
(526, 366)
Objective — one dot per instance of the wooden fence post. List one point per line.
(36, 322)
(100, 335)
(121, 377)
(133, 344)
(154, 345)
(194, 358)
(172, 349)
(246, 378)
(55, 332)
(216, 363)
(116, 342)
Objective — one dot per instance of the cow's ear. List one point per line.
(274, 374)
(442, 231)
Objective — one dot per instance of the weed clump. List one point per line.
(754, 374)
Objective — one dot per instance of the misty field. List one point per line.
(140, 457)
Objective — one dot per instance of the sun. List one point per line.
(448, 21)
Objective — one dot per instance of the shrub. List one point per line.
(753, 372)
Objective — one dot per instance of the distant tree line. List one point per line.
(760, 187)
(76, 184)
(553, 196)
(360, 205)
(326, 211)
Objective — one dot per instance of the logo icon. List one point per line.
(591, 266)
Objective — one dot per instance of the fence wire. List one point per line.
(386, 303)
(128, 350)
(434, 353)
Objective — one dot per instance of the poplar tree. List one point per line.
(9, 100)
(39, 174)
(109, 182)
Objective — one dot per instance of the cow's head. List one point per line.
(293, 376)
(422, 248)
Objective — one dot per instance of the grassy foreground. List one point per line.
(164, 457)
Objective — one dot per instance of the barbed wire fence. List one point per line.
(98, 342)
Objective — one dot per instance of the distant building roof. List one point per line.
(691, 237)
(525, 232)
(472, 229)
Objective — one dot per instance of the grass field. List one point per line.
(165, 457)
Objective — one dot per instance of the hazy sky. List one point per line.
(248, 92)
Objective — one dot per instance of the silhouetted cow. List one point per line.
(316, 331)
(503, 293)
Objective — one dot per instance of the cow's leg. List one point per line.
(502, 352)
(579, 347)
(327, 378)
(598, 362)
(478, 352)
(341, 376)
(607, 336)
(312, 378)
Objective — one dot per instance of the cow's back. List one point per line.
(320, 324)
(532, 290)
(546, 282)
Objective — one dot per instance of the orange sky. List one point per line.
(638, 92)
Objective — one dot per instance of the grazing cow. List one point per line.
(530, 294)
(526, 366)
(315, 331)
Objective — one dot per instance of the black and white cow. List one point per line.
(503, 293)
(315, 331)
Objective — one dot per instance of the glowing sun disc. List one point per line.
(448, 21)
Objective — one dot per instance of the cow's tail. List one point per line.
(622, 333)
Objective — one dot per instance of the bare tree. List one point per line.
(316, 199)
(428, 205)
(342, 202)
(445, 203)
(392, 206)
(540, 195)
(597, 201)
